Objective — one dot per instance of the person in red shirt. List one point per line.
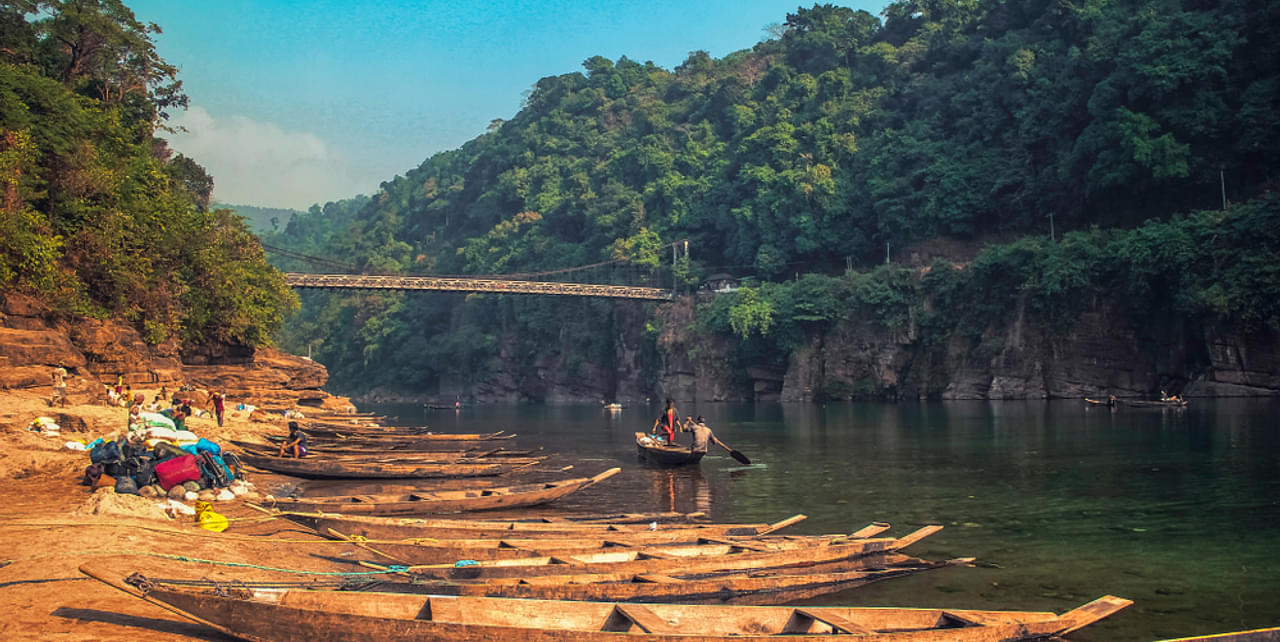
(218, 402)
(669, 420)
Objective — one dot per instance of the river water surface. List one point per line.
(1178, 510)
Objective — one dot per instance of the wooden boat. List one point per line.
(1159, 403)
(317, 468)
(396, 434)
(664, 454)
(803, 549)
(391, 528)
(659, 561)
(399, 456)
(275, 614)
(446, 501)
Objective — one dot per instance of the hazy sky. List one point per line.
(294, 103)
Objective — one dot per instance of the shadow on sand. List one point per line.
(188, 629)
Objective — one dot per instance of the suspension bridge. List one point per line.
(526, 283)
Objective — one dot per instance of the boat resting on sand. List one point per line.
(800, 549)
(399, 456)
(445, 501)
(275, 614)
(325, 431)
(319, 468)
(390, 528)
(663, 454)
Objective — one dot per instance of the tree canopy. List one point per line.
(99, 216)
(847, 132)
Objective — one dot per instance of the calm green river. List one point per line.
(1178, 510)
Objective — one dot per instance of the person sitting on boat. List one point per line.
(702, 435)
(296, 445)
(668, 421)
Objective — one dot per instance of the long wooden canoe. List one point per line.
(274, 614)
(328, 469)
(665, 454)
(637, 563)
(1143, 403)
(446, 501)
(382, 434)
(399, 456)
(803, 549)
(390, 528)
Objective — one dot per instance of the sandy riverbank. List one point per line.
(45, 534)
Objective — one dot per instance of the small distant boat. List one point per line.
(665, 454)
(276, 613)
(1161, 403)
(613, 407)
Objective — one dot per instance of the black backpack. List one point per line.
(107, 451)
(214, 475)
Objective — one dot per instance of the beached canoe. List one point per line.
(399, 456)
(399, 434)
(337, 616)
(804, 548)
(319, 468)
(429, 502)
(664, 454)
(392, 528)
(656, 561)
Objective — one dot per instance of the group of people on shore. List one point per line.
(176, 407)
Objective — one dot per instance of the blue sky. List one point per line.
(294, 103)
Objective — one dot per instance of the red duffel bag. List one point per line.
(172, 472)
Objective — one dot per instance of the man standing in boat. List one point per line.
(669, 420)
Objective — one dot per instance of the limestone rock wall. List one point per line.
(34, 341)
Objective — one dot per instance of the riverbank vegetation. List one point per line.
(100, 218)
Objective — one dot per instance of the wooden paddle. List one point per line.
(732, 453)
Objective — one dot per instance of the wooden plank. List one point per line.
(834, 621)
(657, 578)
(1092, 612)
(645, 619)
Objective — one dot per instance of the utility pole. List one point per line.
(1222, 180)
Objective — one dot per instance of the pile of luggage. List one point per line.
(162, 468)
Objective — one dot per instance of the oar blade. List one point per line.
(740, 457)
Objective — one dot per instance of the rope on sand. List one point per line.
(197, 560)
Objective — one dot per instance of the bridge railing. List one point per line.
(460, 284)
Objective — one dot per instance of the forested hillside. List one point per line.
(100, 218)
(844, 136)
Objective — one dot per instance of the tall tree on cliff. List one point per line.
(100, 217)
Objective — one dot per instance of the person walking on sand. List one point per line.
(217, 401)
(59, 388)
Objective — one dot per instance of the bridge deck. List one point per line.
(456, 284)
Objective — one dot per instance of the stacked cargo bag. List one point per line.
(177, 470)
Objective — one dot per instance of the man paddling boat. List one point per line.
(702, 435)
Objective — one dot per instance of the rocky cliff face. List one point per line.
(1100, 353)
(34, 341)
